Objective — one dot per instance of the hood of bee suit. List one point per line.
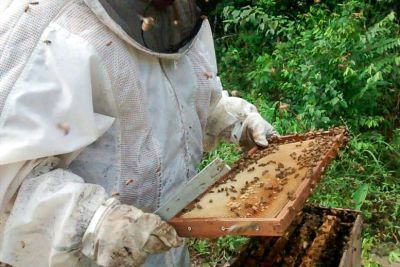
(161, 26)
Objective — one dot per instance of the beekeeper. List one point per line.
(106, 107)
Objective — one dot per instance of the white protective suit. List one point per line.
(85, 113)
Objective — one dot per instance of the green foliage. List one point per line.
(316, 64)
(216, 251)
(326, 65)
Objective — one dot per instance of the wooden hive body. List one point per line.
(317, 237)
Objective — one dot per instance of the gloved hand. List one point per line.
(255, 131)
(122, 235)
(238, 121)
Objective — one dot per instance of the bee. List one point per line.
(210, 201)
(198, 206)
(129, 181)
(247, 205)
(209, 75)
(291, 195)
(48, 42)
(109, 43)
(147, 23)
(64, 127)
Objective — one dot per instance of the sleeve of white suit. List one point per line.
(48, 117)
(48, 220)
(4, 4)
(231, 119)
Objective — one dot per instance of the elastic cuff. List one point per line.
(88, 241)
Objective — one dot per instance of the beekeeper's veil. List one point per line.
(163, 26)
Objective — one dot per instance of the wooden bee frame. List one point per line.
(266, 226)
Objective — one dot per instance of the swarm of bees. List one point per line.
(256, 194)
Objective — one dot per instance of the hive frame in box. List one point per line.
(350, 257)
(215, 227)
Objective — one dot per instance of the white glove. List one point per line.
(255, 131)
(122, 235)
(236, 120)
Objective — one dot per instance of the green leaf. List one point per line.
(334, 101)
(360, 195)
(394, 256)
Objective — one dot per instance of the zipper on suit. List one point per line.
(172, 88)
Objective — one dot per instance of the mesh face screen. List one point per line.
(162, 30)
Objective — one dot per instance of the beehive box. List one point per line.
(264, 190)
(317, 237)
